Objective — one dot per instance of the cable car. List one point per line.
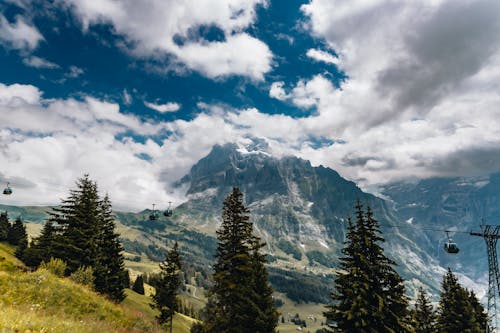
(154, 216)
(7, 190)
(168, 212)
(450, 246)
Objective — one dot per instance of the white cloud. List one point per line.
(163, 108)
(37, 62)
(126, 97)
(152, 29)
(74, 72)
(277, 91)
(320, 55)
(19, 34)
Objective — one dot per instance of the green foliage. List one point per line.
(457, 311)
(424, 316)
(55, 265)
(81, 232)
(369, 295)
(289, 248)
(241, 299)
(165, 298)
(4, 226)
(300, 287)
(83, 276)
(138, 286)
(17, 233)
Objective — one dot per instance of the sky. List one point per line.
(134, 93)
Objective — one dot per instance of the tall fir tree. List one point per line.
(77, 220)
(4, 226)
(167, 287)
(479, 311)
(17, 232)
(42, 247)
(424, 316)
(138, 286)
(241, 299)
(21, 237)
(369, 293)
(81, 233)
(456, 313)
(109, 266)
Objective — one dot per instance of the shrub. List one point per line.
(56, 266)
(83, 275)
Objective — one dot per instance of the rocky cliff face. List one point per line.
(299, 210)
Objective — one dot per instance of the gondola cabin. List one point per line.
(167, 213)
(451, 247)
(154, 216)
(7, 190)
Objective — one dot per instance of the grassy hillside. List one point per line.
(41, 302)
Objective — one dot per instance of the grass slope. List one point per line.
(41, 302)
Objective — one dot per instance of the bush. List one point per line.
(55, 266)
(83, 275)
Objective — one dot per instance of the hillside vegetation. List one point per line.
(41, 302)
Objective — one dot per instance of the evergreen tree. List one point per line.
(81, 233)
(456, 313)
(42, 247)
(138, 286)
(241, 299)
(424, 317)
(479, 312)
(109, 267)
(167, 287)
(77, 220)
(4, 226)
(369, 294)
(22, 241)
(17, 233)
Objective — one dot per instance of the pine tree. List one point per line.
(456, 313)
(77, 220)
(17, 233)
(479, 312)
(109, 267)
(369, 294)
(424, 316)
(241, 298)
(41, 247)
(81, 233)
(4, 226)
(138, 286)
(22, 238)
(167, 287)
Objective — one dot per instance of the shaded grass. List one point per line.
(41, 302)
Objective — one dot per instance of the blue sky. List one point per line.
(135, 92)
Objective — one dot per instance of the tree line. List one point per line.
(369, 294)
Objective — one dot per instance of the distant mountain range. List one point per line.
(300, 211)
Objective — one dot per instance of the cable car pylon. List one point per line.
(491, 234)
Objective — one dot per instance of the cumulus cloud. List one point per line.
(19, 35)
(74, 72)
(37, 62)
(320, 55)
(277, 91)
(410, 104)
(154, 30)
(163, 108)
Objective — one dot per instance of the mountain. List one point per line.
(459, 205)
(301, 211)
